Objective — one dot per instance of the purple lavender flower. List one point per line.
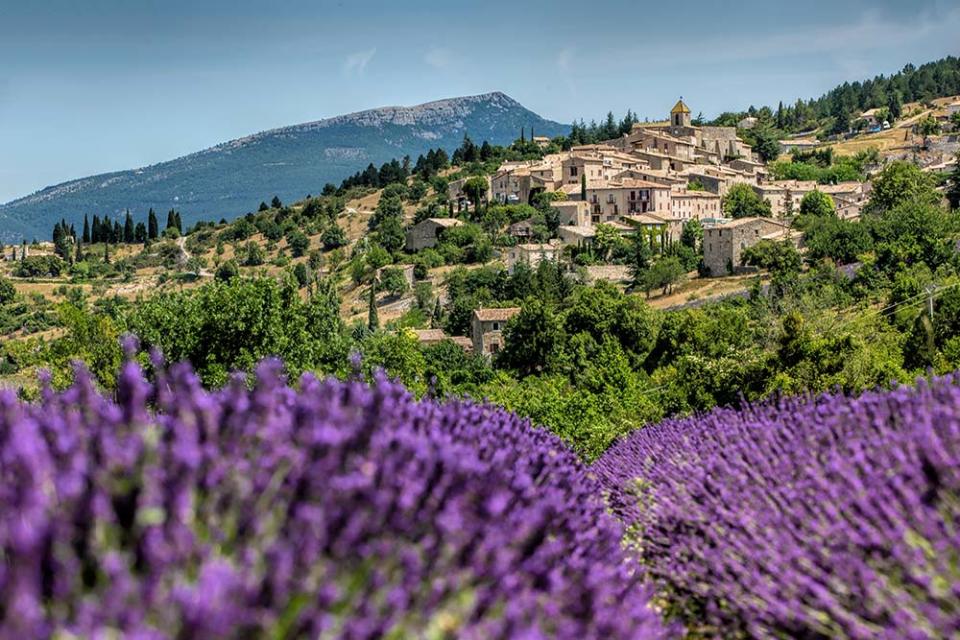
(817, 518)
(338, 510)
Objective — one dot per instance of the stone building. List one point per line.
(487, 329)
(531, 254)
(425, 233)
(725, 240)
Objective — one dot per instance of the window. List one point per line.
(573, 171)
(496, 326)
(494, 348)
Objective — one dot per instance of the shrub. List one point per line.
(338, 510)
(811, 518)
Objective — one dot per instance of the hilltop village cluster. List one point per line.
(653, 180)
(656, 178)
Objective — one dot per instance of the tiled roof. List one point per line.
(495, 315)
(430, 335)
(445, 222)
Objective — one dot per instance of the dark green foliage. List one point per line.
(227, 271)
(333, 237)
(817, 203)
(7, 291)
(298, 243)
(39, 266)
(742, 201)
(232, 325)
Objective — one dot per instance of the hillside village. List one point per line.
(655, 181)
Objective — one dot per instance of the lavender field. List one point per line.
(810, 518)
(338, 509)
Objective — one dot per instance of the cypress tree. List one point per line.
(373, 320)
(583, 187)
(106, 253)
(95, 230)
(140, 233)
(153, 228)
(79, 255)
(128, 228)
(171, 221)
(117, 232)
(86, 230)
(176, 221)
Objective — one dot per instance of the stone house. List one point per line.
(532, 254)
(784, 196)
(694, 205)
(425, 233)
(487, 329)
(725, 240)
(609, 199)
(573, 212)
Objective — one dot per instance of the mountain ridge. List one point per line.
(230, 178)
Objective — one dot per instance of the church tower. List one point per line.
(680, 114)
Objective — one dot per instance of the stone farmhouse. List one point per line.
(725, 240)
(425, 233)
(487, 329)
(531, 254)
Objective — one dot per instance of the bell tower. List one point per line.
(680, 114)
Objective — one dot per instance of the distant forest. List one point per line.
(835, 111)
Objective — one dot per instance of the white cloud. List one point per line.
(356, 63)
(439, 58)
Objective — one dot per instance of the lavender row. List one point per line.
(333, 510)
(818, 518)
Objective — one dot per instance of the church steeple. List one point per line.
(680, 114)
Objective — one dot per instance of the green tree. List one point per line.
(638, 260)
(390, 234)
(373, 319)
(393, 281)
(899, 183)
(742, 201)
(301, 275)
(7, 291)
(253, 254)
(663, 274)
(692, 235)
(766, 144)
(817, 203)
(153, 229)
(532, 339)
(227, 271)
(475, 189)
(953, 184)
(298, 243)
(928, 126)
(333, 237)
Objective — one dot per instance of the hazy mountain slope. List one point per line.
(232, 178)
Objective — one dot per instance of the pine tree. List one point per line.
(436, 320)
(953, 186)
(86, 230)
(128, 229)
(153, 228)
(373, 320)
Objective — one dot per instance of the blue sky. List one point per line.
(100, 85)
